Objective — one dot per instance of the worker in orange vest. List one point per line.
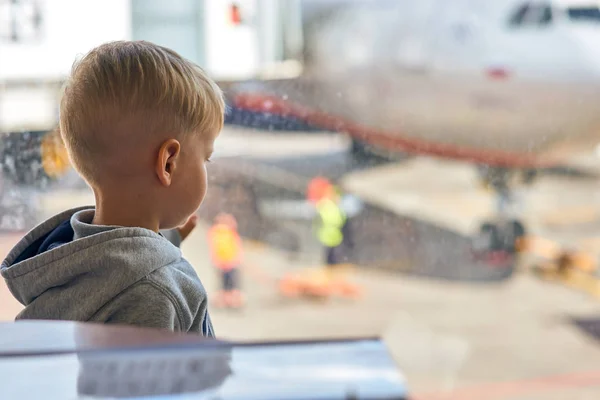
(226, 252)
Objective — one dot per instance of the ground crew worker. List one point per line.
(226, 251)
(330, 224)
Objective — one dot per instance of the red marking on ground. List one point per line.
(395, 141)
(505, 390)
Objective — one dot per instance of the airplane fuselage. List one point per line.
(516, 80)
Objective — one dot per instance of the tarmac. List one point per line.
(514, 338)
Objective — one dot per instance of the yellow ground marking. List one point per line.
(575, 279)
(574, 269)
(552, 251)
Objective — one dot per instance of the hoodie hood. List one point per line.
(67, 268)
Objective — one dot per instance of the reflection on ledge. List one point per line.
(152, 373)
(66, 360)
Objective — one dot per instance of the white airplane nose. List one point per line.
(594, 61)
(588, 42)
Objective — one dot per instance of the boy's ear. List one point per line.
(167, 161)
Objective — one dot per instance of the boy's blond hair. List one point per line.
(125, 94)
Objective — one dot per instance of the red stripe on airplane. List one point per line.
(497, 73)
(389, 140)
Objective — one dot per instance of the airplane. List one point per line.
(511, 86)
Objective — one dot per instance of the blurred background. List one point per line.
(454, 142)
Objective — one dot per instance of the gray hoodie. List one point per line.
(68, 269)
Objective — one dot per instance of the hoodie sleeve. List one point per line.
(145, 305)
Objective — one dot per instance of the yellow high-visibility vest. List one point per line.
(332, 220)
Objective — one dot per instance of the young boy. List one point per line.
(139, 123)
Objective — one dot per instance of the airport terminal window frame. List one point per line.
(21, 21)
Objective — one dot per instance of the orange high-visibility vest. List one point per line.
(225, 245)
